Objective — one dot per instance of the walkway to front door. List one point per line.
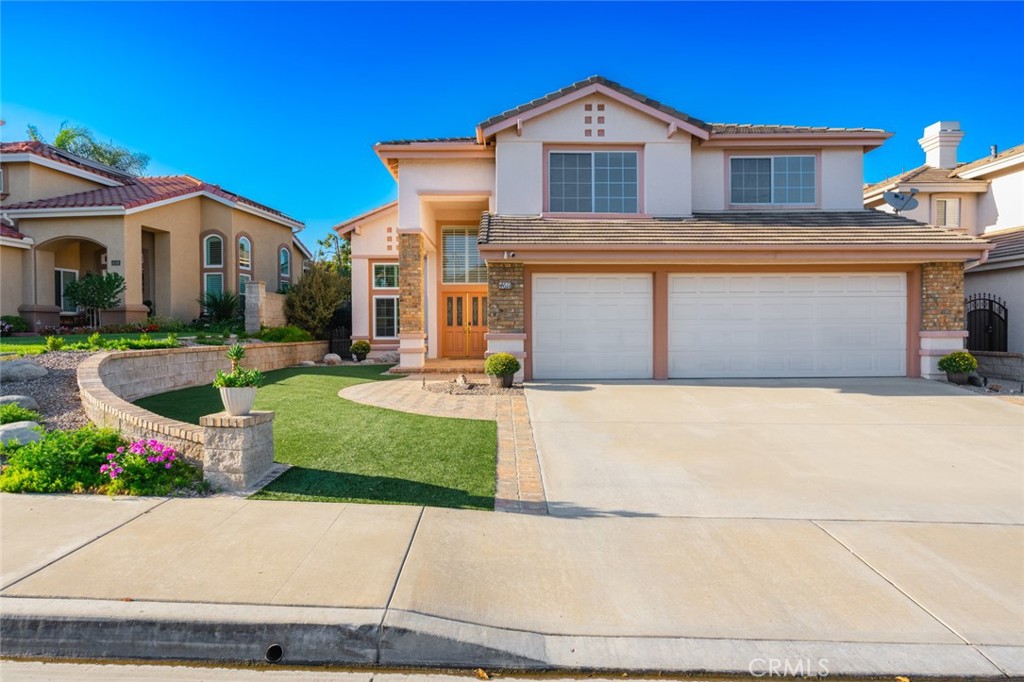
(463, 324)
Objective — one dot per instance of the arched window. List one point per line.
(284, 268)
(244, 253)
(213, 250)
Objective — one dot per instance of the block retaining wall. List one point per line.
(108, 382)
(1006, 366)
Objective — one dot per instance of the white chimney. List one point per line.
(940, 142)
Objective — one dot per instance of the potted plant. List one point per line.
(502, 366)
(359, 349)
(957, 366)
(238, 387)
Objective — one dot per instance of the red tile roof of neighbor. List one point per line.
(10, 232)
(140, 192)
(48, 151)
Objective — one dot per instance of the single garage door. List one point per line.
(799, 325)
(592, 326)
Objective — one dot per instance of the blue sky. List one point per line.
(281, 102)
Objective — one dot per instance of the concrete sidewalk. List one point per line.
(223, 579)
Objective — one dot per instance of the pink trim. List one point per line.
(944, 335)
(504, 336)
(483, 133)
(590, 147)
(934, 352)
(349, 224)
(411, 336)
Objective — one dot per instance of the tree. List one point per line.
(311, 303)
(81, 141)
(96, 293)
(335, 253)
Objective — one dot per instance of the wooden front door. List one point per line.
(464, 324)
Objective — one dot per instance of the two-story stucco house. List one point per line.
(597, 233)
(985, 198)
(172, 238)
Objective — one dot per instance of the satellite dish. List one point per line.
(901, 201)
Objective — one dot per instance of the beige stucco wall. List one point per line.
(708, 179)
(519, 184)
(422, 178)
(26, 181)
(925, 210)
(842, 178)
(1008, 284)
(377, 241)
(175, 229)
(1002, 207)
(10, 279)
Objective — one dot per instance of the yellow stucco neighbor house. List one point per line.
(172, 238)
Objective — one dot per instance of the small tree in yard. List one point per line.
(311, 303)
(96, 293)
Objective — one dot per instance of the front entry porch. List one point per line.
(463, 318)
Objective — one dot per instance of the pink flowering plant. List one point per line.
(147, 467)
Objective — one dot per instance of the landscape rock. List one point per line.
(25, 401)
(391, 358)
(307, 363)
(21, 370)
(332, 359)
(22, 432)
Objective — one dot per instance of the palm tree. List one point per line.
(81, 141)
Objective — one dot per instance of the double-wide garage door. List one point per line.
(601, 326)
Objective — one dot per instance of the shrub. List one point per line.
(12, 412)
(221, 308)
(96, 293)
(501, 364)
(147, 467)
(289, 334)
(958, 362)
(311, 303)
(62, 461)
(96, 342)
(6, 329)
(54, 343)
(18, 323)
(360, 347)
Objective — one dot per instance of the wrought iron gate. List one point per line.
(986, 322)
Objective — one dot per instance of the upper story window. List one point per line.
(244, 253)
(213, 250)
(285, 262)
(385, 276)
(593, 182)
(460, 258)
(947, 212)
(783, 180)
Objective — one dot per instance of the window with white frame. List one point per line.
(61, 278)
(785, 180)
(243, 281)
(385, 275)
(213, 252)
(385, 317)
(213, 283)
(593, 182)
(460, 257)
(244, 253)
(947, 212)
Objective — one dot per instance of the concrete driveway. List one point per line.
(847, 449)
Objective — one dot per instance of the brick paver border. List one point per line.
(519, 487)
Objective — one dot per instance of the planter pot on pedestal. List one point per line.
(238, 401)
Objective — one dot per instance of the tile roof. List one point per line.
(1007, 243)
(48, 151)
(436, 140)
(763, 129)
(579, 85)
(1012, 151)
(140, 192)
(10, 232)
(837, 228)
(921, 174)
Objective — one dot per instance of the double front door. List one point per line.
(464, 323)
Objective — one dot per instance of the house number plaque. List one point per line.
(115, 263)
(504, 285)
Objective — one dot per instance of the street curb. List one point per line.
(82, 628)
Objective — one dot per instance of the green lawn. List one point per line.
(34, 345)
(341, 451)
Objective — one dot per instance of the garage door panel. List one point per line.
(593, 326)
(806, 325)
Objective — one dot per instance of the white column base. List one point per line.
(933, 346)
(504, 342)
(412, 351)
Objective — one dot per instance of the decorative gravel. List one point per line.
(470, 388)
(998, 387)
(57, 392)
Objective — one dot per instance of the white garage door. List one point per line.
(592, 326)
(813, 325)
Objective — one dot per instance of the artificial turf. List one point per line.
(341, 451)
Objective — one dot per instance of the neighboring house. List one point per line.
(983, 198)
(596, 233)
(172, 238)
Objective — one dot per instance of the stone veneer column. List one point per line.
(412, 348)
(506, 310)
(942, 314)
(237, 451)
(255, 300)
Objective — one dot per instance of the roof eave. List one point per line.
(993, 166)
(867, 140)
(350, 224)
